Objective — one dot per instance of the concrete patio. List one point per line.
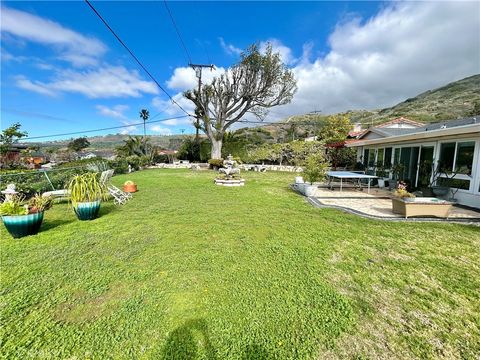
(378, 204)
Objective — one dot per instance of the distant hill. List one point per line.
(452, 101)
(111, 141)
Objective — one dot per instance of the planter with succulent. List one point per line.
(408, 205)
(86, 193)
(314, 170)
(22, 218)
(129, 186)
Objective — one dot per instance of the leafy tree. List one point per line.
(189, 150)
(144, 114)
(8, 137)
(255, 84)
(137, 146)
(78, 144)
(336, 128)
(342, 156)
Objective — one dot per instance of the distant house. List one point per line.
(13, 154)
(87, 155)
(453, 145)
(33, 159)
(106, 154)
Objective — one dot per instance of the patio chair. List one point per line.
(119, 197)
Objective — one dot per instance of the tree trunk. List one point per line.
(216, 149)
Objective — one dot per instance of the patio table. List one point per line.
(348, 175)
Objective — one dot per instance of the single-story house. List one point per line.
(453, 146)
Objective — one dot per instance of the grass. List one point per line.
(189, 270)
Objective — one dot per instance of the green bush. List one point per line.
(31, 182)
(315, 168)
(120, 166)
(215, 163)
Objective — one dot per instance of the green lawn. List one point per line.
(190, 270)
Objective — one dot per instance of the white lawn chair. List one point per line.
(119, 197)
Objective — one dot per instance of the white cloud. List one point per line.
(38, 87)
(161, 130)
(116, 111)
(229, 48)
(78, 49)
(104, 82)
(184, 78)
(129, 130)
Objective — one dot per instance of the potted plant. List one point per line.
(315, 169)
(24, 218)
(86, 193)
(382, 175)
(129, 186)
(397, 174)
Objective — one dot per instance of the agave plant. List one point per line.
(86, 188)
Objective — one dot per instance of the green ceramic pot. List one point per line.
(87, 210)
(23, 225)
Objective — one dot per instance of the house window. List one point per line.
(464, 158)
(457, 157)
(365, 157)
(396, 158)
(380, 154)
(371, 158)
(454, 183)
(447, 156)
(388, 158)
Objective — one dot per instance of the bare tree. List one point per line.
(255, 84)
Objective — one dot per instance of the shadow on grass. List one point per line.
(51, 224)
(182, 343)
(192, 341)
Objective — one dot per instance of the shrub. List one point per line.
(215, 163)
(31, 182)
(120, 165)
(315, 168)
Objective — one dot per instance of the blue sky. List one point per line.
(62, 71)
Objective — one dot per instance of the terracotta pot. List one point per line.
(130, 188)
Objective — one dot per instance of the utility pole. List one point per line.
(198, 72)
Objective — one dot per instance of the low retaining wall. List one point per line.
(257, 167)
(245, 167)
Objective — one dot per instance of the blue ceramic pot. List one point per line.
(87, 210)
(23, 225)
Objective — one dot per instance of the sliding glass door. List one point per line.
(414, 164)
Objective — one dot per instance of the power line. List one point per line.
(134, 57)
(104, 129)
(178, 32)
